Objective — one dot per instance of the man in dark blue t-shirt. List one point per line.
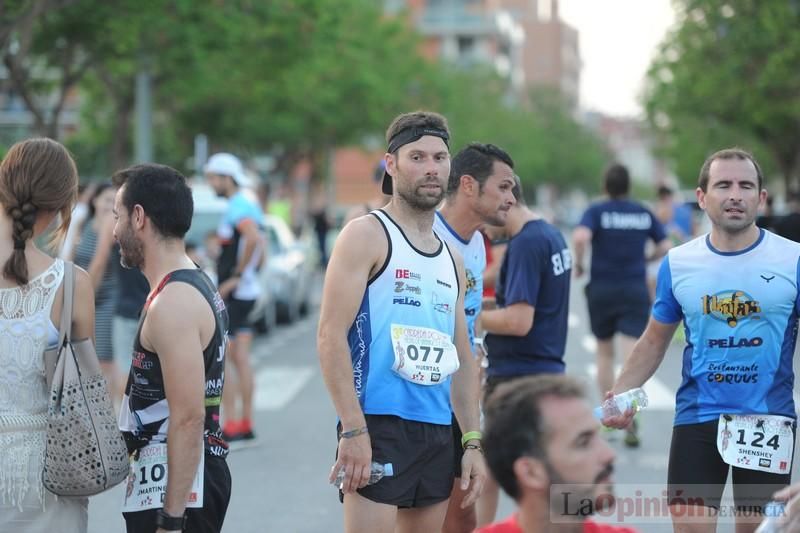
(618, 230)
(527, 333)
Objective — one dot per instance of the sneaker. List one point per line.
(246, 430)
(231, 431)
(632, 435)
(244, 436)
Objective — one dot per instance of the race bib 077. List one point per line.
(423, 355)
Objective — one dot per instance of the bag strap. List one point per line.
(65, 325)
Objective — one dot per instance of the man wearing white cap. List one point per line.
(242, 248)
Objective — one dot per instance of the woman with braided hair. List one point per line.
(38, 187)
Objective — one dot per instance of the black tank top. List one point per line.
(144, 414)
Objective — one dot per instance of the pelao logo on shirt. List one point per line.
(731, 306)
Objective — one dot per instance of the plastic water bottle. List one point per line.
(377, 472)
(635, 399)
(773, 511)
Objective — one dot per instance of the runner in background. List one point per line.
(618, 230)
(527, 332)
(242, 248)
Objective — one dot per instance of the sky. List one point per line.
(617, 40)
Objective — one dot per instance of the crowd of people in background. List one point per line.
(458, 266)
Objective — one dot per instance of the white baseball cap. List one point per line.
(226, 164)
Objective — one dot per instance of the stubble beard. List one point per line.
(418, 200)
(496, 219)
(734, 227)
(601, 494)
(131, 251)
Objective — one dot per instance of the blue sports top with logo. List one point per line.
(406, 320)
(740, 315)
(144, 414)
(474, 253)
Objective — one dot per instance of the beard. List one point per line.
(131, 250)
(416, 197)
(497, 218)
(600, 493)
(413, 193)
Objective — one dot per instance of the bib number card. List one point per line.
(146, 485)
(757, 442)
(423, 355)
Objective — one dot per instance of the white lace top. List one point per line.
(25, 332)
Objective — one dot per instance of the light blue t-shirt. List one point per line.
(241, 207)
(415, 290)
(740, 314)
(474, 253)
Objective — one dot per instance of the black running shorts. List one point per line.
(697, 474)
(422, 460)
(618, 308)
(458, 449)
(206, 519)
(239, 315)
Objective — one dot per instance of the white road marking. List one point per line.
(589, 344)
(654, 461)
(277, 385)
(573, 321)
(659, 396)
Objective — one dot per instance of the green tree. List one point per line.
(303, 76)
(42, 71)
(727, 74)
(547, 144)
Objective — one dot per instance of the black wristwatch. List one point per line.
(169, 522)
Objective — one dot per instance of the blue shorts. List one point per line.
(618, 308)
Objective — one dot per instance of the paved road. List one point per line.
(280, 485)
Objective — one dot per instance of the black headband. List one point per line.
(411, 135)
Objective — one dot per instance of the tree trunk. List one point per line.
(788, 165)
(119, 150)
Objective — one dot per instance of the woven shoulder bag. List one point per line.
(85, 453)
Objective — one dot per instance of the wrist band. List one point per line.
(353, 433)
(473, 447)
(468, 436)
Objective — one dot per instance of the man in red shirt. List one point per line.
(541, 440)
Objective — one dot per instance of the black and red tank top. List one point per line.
(144, 415)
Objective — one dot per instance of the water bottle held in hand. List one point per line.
(635, 399)
(377, 472)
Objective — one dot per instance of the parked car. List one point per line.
(289, 270)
